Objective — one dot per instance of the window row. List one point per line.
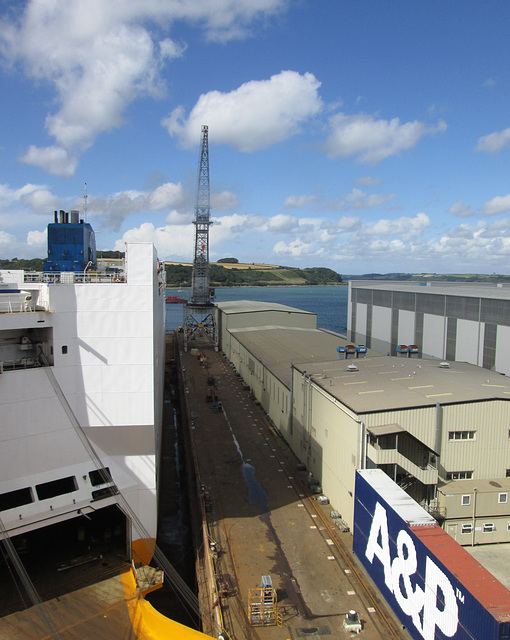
(461, 435)
(466, 499)
(459, 475)
(54, 488)
(487, 527)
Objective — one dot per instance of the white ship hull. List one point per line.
(81, 389)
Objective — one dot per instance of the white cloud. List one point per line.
(296, 248)
(112, 210)
(405, 227)
(170, 243)
(6, 240)
(224, 201)
(368, 181)
(255, 116)
(374, 140)
(54, 160)
(494, 141)
(499, 204)
(354, 200)
(461, 210)
(37, 239)
(282, 223)
(100, 56)
(299, 202)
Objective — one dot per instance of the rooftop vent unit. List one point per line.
(352, 367)
(444, 365)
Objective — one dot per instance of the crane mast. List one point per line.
(199, 312)
(200, 290)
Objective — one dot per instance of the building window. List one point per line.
(459, 475)
(488, 527)
(16, 498)
(56, 488)
(466, 500)
(64, 349)
(508, 526)
(508, 473)
(467, 528)
(503, 498)
(461, 435)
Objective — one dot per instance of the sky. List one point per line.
(365, 136)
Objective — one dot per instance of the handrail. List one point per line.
(70, 277)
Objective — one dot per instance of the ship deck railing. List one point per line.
(71, 277)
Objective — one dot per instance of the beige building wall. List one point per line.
(486, 448)
(477, 511)
(328, 440)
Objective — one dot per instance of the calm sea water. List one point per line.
(329, 303)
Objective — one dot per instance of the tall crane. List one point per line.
(199, 311)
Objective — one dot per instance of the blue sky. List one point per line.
(363, 136)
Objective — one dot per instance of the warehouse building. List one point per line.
(468, 322)
(430, 425)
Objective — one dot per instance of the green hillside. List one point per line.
(228, 275)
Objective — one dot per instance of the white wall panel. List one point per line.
(502, 363)
(361, 318)
(406, 320)
(433, 335)
(467, 341)
(381, 323)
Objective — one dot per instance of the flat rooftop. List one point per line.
(469, 289)
(391, 382)
(278, 347)
(249, 306)
(376, 382)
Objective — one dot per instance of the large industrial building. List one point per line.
(467, 322)
(440, 429)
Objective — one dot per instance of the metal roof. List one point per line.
(407, 508)
(393, 382)
(249, 306)
(482, 585)
(472, 290)
(386, 429)
(278, 347)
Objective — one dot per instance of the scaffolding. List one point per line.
(262, 604)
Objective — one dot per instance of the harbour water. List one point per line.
(328, 302)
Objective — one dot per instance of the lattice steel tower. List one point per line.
(199, 311)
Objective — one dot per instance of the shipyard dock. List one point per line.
(260, 520)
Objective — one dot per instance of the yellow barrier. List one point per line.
(149, 624)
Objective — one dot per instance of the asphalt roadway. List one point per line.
(262, 521)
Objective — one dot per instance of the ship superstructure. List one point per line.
(81, 398)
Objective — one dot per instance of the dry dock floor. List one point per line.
(264, 521)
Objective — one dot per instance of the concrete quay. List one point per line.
(259, 519)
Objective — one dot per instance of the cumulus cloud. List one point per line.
(354, 200)
(55, 160)
(461, 210)
(404, 226)
(171, 244)
(494, 141)
(368, 181)
(296, 248)
(299, 202)
(499, 204)
(37, 239)
(112, 210)
(254, 116)
(224, 201)
(372, 140)
(101, 56)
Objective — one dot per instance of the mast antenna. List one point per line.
(85, 203)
